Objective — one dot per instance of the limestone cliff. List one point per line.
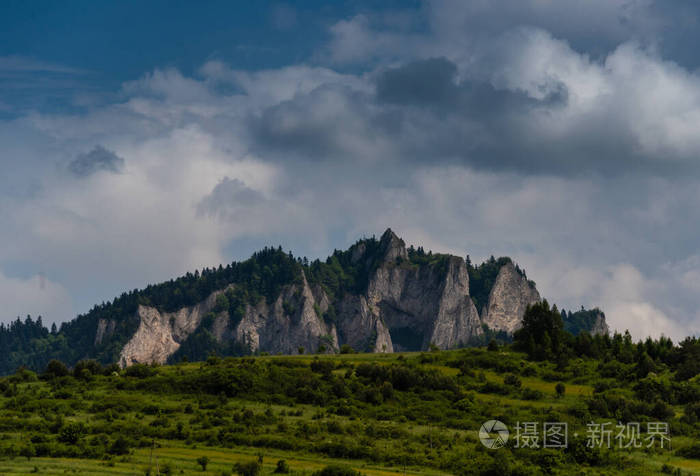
(159, 335)
(508, 300)
(408, 306)
(600, 327)
(290, 322)
(393, 300)
(105, 329)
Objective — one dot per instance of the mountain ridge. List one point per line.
(376, 296)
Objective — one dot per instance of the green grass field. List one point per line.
(410, 413)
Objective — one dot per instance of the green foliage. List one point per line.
(139, 371)
(420, 409)
(542, 334)
(203, 461)
(580, 321)
(282, 467)
(119, 447)
(560, 389)
(692, 451)
(250, 468)
(512, 380)
(56, 369)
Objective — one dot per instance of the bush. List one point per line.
(692, 451)
(140, 371)
(282, 467)
(531, 394)
(203, 461)
(56, 368)
(120, 446)
(70, 434)
(560, 389)
(251, 468)
(512, 380)
(86, 369)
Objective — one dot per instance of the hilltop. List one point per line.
(376, 296)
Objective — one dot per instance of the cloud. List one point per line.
(422, 82)
(28, 84)
(16, 64)
(35, 295)
(467, 129)
(228, 196)
(98, 159)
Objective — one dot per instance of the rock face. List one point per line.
(282, 327)
(600, 327)
(508, 300)
(159, 335)
(407, 304)
(409, 307)
(105, 329)
(292, 321)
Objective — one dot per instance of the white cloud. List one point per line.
(37, 296)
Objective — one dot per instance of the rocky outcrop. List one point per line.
(508, 300)
(294, 320)
(105, 329)
(159, 335)
(600, 327)
(406, 303)
(408, 307)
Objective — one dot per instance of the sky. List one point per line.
(142, 140)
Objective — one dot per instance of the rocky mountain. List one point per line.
(410, 301)
(508, 299)
(377, 296)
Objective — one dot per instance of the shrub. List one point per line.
(120, 446)
(56, 368)
(27, 451)
(692, 451)
(512, 380)
(531, 394)
(140, 371)
(203, 461)
(282, 467)
(251, 468)
(85, 369)
(70, 434)
(560, 389)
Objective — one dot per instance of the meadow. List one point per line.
(376, 414)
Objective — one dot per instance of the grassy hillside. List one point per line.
(413, 413)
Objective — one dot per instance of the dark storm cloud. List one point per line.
(330, 121)
(98, 159)
(420, 113)
(427, 82)
(227, 196)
